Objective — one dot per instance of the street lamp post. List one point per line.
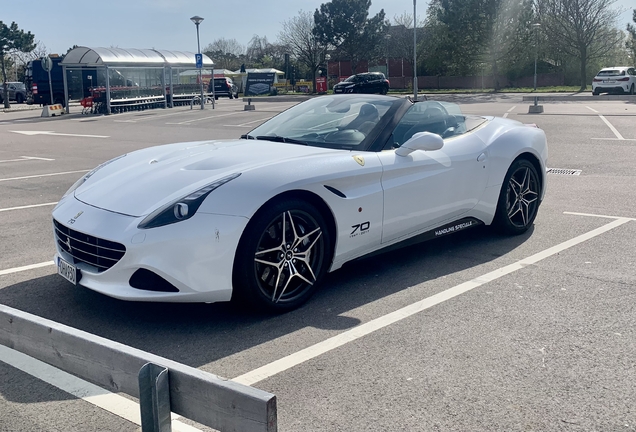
(536, 52)
(414, 51)
(197, 20)
(387, 38)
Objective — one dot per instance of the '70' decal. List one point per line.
(360, 229)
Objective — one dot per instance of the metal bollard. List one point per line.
(154, 398)
(249, 106)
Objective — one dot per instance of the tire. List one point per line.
(19, 98)
(595, 93)
(384, 91)
(631, 89)
(273, 275)
(518, 202)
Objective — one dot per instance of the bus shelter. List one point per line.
(117, 79)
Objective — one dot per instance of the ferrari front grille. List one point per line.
(84, 248)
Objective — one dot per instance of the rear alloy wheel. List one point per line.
(19, 98)
(282, 256)
(519, 198)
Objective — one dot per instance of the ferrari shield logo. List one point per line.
(359, 159)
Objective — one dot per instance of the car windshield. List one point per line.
(339, 122)
(613, 72)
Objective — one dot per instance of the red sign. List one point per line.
(321, 85)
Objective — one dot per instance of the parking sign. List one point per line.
(198, 58)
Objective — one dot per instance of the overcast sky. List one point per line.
(165, 24)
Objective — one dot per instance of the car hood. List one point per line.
(142, 181)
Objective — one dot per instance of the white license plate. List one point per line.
(609, 81)
(67, 270)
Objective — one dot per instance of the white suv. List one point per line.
(620, 79)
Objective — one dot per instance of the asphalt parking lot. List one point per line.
(471, 332)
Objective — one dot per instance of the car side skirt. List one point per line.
(441, 231)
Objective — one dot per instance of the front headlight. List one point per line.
(87, 176)
(183, 208)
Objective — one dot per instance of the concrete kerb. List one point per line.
(20, 107)
(283, 98)
(575, 98)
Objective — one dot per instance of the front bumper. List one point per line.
(196, 256)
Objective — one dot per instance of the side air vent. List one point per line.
(335, 191)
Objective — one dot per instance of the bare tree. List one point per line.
(583, 29)
(630, 44)
(400, 35)
(298, 36)
(261, 53)
(226, 53)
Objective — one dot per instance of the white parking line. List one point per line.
(26, 158)
(44, 175)
(618, 135)
(205, 118)
(95, 395)
(25, 268)
(612, 128)
(27, 206)
(313, 351)
(33, 133)
(509, 111)
(598, 216)
(249, 123)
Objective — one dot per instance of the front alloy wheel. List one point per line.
(283, 256)
(519, 199)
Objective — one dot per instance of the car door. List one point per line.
(11, 92)
(427, 188)
(365, 84)
(374, 84)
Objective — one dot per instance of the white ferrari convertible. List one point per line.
(261, 219)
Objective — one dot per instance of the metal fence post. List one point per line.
(154, 398)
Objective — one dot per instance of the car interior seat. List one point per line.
(367, 118)
(434, 120)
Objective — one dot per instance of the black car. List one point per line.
(224, 87)
(368, 82)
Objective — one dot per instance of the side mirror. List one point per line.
(426, 141)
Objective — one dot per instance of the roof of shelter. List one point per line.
(93, 57)
(267, 70)
(182, 58)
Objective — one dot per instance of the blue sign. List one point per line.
(198, 58)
